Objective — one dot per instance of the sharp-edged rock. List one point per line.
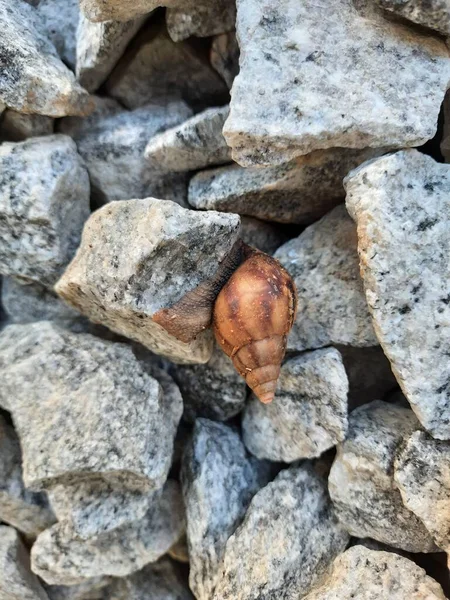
(120, 10)
(201, 18)
(17, 127)
(60, 21)
(434, 14)
(224, 56)
(77, 127)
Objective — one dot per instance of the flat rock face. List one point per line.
(219, 480)
(406, 272)
(224, 56)
(363, 573)
(288, 539)
(361, 481)
(138, 257)
(195, 144)
(120, 10)
(44, 202)
(60, 19)
(34, 80)
(201, 18)
(295, 94)
(300, 191)
(95, 415)
(17, 127)
(332, 308)
(430, 13)
(423, 476)
(308, 414)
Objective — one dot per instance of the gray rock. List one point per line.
(77, 127)
(263, 235)
(17, 582)
(60, 558)
(301, 191)
(332, 308)
(44, 202)
(295, 93)
(120, 10)
(60, 21)
(309, 413)
(218, 480)
(27, 512)
(17, 127)
(361, 481)
(214, 390)
(91, 589)
(372, 575)
(99, 47)
(224, 56)
(195, 144)
(95, 415)
(407, 290)
(429, 13)
(133, 261)
(201, 18)
(423, 476)
(139, 79)
(288, 539)
(34, 80)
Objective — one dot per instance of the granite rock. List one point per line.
(219, 480)
(291, 517)
(44, 201)
(90, 589)
(60, 19)
(17, 127)
(99, 47)
(361, 482)
(309, 413)
(201, 18)
(363, 573)
(34, 80)
(120, 10)
(263, 235)
(434, 14)
(300, 191)
(133, 261)
(77, 127)
(295, 93)
(17, 582)
(332, 308)
(406, 273)
(422, 473)
(60, 558)
(224, 56)
(95, 415)
(195, 144)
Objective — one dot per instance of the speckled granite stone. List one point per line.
(60, 19)
(201, 18)
(429, 13)
(78, 127)
(90, 589)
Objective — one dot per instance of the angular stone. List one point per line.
(288, 539)
(95, 415)
(26, 511)
(60, 558)
(363, 573)
(139, 79)
(301, 191)
(195, 144)
(120, 275)
(263, 235)
(295, 93)
(407, 290)
(361, 481)
(90, 589)
(99, 47)
(429, 13)
(332, 308)
(33, 78)
(17, 127)
(201, 18)
(219, 480)
(77, 127)
(423, 476)
(224, 56)
(309, 413)
(17, 582)
(120, 10)
(214, 390)
(60, 19)
(44, 202)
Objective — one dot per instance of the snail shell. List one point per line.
(252, 317)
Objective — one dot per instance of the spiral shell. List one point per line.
(253, 315)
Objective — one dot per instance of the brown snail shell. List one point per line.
(253, 315)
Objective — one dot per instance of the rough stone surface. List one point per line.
(300, 191)
(60, 21)
(429, 13)
(201, 18)
(96, 414)
(120, 10)
(288, 539)
(17, 582)
(33, 78)
(139, 79)
(214, 390)
(309, 413)
(44, 201)
(195, 144)
(295, 93)
(138, 257)
(99, 47)
(219, 480)
(17, 127)
(60, 558)
(422, 472)
(332, 308)
(224, 56)
(263, 235)
(27, 512)
(406, 273)
(370, 575)
(90, 589)
(361, 482)
(77, 127)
